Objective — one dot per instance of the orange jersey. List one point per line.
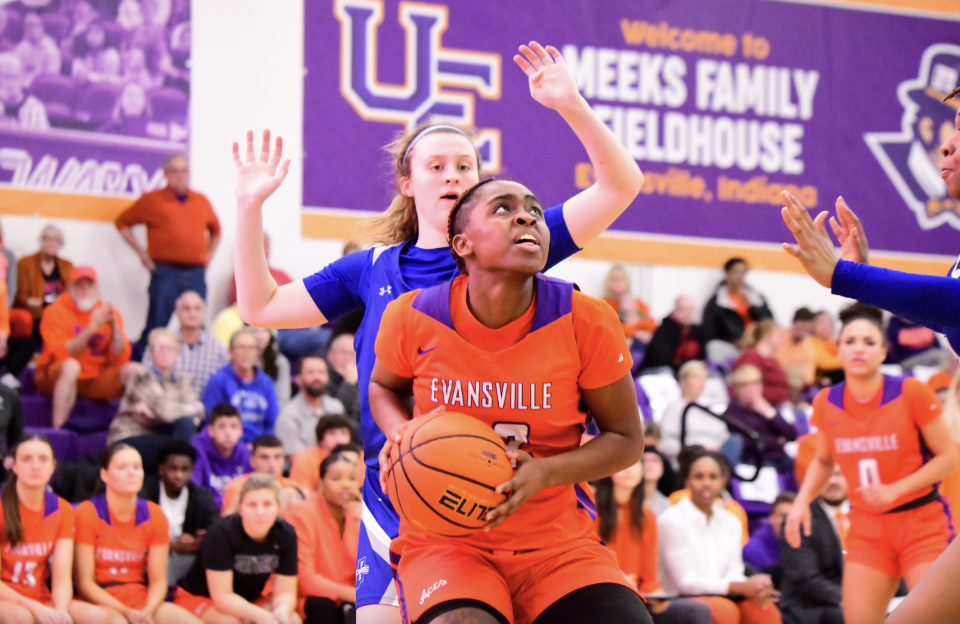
(26, 566)
(61, 321)
(878, 441)
(524, 380)
(637, 554)
(231, 494)
(121, 548)
(327, 559)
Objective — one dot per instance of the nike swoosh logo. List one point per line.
(421, 351)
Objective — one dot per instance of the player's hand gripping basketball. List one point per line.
(393, 439)
(530, 477)
(258, 178)
(814, 249)
(798, 519)
(550, 81)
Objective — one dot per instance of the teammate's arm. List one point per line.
(818, 474)
(87, 588)
(220, 584)
(284, 596)
(620, 443)
(61, 575)
(619, 179)
(259, 300)
(158, 557)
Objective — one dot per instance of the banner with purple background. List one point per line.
(722, 102)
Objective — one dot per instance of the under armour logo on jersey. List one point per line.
(621, 358)
(362, 569)
(386, 290)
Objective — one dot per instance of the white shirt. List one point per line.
(702, 429)
(699, 555)
(175, 509)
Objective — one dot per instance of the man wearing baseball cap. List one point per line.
(85, 352)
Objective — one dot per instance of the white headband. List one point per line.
(426, 131)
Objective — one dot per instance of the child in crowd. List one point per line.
(332, 430)
(267, 459)
(240, 554)
(189, 508)
(328, 530)
(220, 456)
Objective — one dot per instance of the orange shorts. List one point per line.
(198, 605)
(520, 585)
(894, 543)
(103, 387)
(134, 595)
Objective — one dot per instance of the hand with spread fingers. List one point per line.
(258, 178)
(551, 82)
(531, 476)
(814, 249)
(849, 231)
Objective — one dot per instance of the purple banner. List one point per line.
(722, 102)
(94, 93)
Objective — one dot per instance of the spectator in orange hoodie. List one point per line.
(332, 430)
(328, 530)
(630, 529)
(85, 352)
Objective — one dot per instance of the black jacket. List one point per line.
(722, 322)
(813, 573)
(201, 510)
(664, 343)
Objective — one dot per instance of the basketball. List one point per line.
(444, 473)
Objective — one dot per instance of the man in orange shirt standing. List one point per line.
(182, 234)
(85, 352)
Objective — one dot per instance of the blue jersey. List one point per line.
(371, 279)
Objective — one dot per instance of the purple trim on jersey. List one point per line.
(435, 303)
(584, 502)
(395, 568)
(892, 389)
(835, 395)
(946, 510)
(51, 503)
(100, 504)
(554, 300)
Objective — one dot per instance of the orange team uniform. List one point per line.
(231, 494)
(327, 559)
(636, 554)
(26, 566)
(525, 381)
(880, 442)
(121, 548)
(305, 468)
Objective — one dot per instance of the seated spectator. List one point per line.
(227, 323)
(222, 586)
(652, 464)
(724, 501)
(750, 409)
(245, 386)
(634, 314)
(651, 435)
(764, 339)
(158, 403)
(133, 116)
(331, 431)
(701, 428)
(701, 552)
(20, 110)
(200, 354)
(221, 457)
(8, 270)
(42, 277)
(189, 508)
(297, 423)
(763, 549)
(796, 353)
(825, 346)
(266, 459)
(629, 528)
(813, 573)
(37, 51)
(275, 365)
(342, 360)
(85, 352)
(279, 276)
(677, 341)
(910, 345)
(328, 532)
(733, 308)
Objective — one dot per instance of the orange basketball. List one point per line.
(444, 473)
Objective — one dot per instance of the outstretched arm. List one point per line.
(259, 300)
(619, 179)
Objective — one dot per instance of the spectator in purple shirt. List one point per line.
(763, 549)
(751, 410)
(221, 457)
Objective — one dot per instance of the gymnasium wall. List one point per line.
(248, 72)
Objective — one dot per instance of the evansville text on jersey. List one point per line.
(485, 394)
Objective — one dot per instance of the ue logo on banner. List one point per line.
(428, 67)
(911, 158)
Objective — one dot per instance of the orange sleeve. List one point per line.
(134, 215)
(86, 522)
(68, 520)
(304, 470)
(4, 310)
(160, 533)
(604, 354)
(310, 535)
(922, 402)
(816, 417)
(649, 581)
(56, 329)
(391, 345)
(124, 356)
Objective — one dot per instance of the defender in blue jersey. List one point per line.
(435, 164)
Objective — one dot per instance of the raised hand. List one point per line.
(258, 178)
(848, 230)
(814, 249)
(551, 83)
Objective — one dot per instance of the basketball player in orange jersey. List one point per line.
(893, 446)
(520, 352)
(123, 544)
(36, 544)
